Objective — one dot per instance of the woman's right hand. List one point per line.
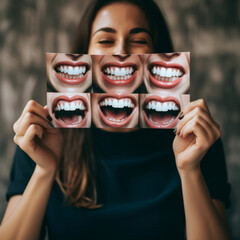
(37, 138)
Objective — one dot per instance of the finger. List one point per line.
(34, 107)
(26, 141)
(207, 129)
(198, 103)
(197, 111)
(29, 119)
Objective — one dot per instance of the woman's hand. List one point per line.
(195, 134)
(37, 138)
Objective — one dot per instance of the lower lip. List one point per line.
(120, 82)
(71, 81)
(164, 84)
(115, 124)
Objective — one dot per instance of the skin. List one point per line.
(205, 217)
(52, 59)
(96, 116)
(179, 58)
(99, 61)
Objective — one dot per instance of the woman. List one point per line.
(147, 188)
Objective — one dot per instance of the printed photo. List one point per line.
(115, 110)
(69, 110)
(68, 73)
(157, 111)
(167, 73)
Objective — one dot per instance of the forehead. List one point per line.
(120, 16)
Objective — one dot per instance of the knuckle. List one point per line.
(28, 117)
(15, 127)
(202, 102)
(15, 139)
(31, 104)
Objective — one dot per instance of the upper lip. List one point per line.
(161, 99)
(119, 64)
(79, 63)
(69, 99)
(117, 96)
(166, 65)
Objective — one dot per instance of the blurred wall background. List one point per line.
(208, 29)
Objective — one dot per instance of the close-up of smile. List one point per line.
(165, 75)
(161, 112)
(116, 111)
(119, 74)
(71, 73)
(70, 112)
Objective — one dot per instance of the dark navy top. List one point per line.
(137, 183)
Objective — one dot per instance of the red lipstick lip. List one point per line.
(72, 81)
(70, 99)
(116, 124)
(165, 84)
(119, 82)
(160, 99)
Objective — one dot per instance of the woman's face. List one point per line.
(69, 72)
(117, 73)
(115, 110)
(69, 110)
(159, 111)
(167, 73)
(120, 28)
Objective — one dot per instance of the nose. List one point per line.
(121, 48)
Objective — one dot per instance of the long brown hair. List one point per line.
(77, 169)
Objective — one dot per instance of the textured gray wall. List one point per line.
(208, 29)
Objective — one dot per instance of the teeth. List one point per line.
(115, 120)
(119, 73)
(166, 73)
(70, 106)
(117, 103)
(162, 107)
(72, 71)
(164, 123)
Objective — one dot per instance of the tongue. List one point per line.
(117, 114)
(69, 119)
(161, 117)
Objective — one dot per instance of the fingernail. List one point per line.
(181, 116)
(49, 118)
(175, 130)
(50, 125)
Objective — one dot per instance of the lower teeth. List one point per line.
(71, 76)
(165, 79)
(164, 123)
(119, 77)
(115, 120)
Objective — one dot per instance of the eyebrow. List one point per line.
(132, 31)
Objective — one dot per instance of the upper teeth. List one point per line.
(117, 103)
(162, 106)
(167, 72)
(72, 70)
(116, 71)
(70, 106)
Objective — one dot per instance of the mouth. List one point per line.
(116, 111)
(71, 73)
(165, 75)
(119, 74)
(161, 112)
(70, 112)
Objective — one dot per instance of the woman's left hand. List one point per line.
(196, 133)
